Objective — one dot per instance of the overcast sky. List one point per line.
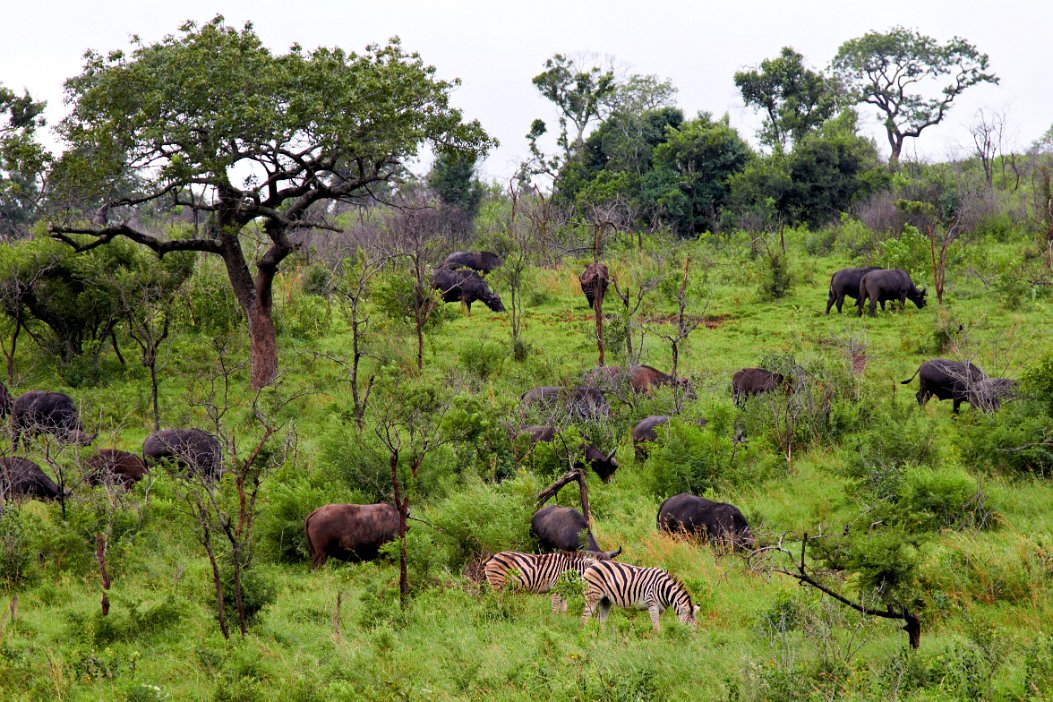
(496, 47)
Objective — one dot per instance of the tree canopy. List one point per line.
(897, 71)
(22, 161)
(209, 119)
(795, 99)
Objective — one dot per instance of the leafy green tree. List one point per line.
(689, 182)
(211, 120)
(893, 71)
(578, 92)
(22, 162)
(795, 99)
(453, 178)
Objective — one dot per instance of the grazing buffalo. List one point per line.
(46, 412)
(113, 466)
(565, 529)
(20, 477)
(581, 402)
(480, 261)
(846, 282)
(594, 282)
(642, 379)
(957, 381)
(645, 432)
(603, 464)
(6, 401)
(193, 449)
(888, 285)
(349, 532)
(715, 521)
(754, 381)
(465, 286)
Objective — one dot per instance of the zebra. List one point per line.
(536, 572)
(608, 583)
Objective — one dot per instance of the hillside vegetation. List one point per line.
(899, 502)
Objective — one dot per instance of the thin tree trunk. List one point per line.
(100, 556)
(153, 391)
(216, 580)
(402, 504)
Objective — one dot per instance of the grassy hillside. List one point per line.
(976, 540)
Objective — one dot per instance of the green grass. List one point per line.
(988, 593)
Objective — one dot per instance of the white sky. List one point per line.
(496, 47)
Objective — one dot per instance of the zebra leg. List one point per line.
(656, 615)
(591, 598)
(558, 603)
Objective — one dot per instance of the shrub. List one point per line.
(318, 280)
(910, 252)
(776, 279)
(940, 498)
(14, 547)
(279, 528)
(1016, 439)
(306, 317)
(689, 458)
(482, 358)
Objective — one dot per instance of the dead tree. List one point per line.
(800, 572)
(685, 324)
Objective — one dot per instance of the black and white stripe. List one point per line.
(608, 583)
(534, 572)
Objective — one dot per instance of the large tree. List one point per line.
(22, 162)
(794, 98)
(211, 120)
(900, 71)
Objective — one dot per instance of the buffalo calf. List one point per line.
(192, 449)
(20, 477)
(114, 466)
(754, 381)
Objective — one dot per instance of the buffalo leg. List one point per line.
(873, 307)
(923, 397)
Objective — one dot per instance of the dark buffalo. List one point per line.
(565, 529)
(754, 381)
(20, 477)
(581, 402)
(6, 401)
(481, 261)
(113, 466)
(948, 380)
(645, 432)
(594, 281)
(193, 449)
(349, 532)
(465, 286)
(888, 285)
(715, 521)
(846, 282)
(46, 412)
(603, 464)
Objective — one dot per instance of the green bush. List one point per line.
(689, 458)
(940, 498)
(14, 547)
(306, 317)
(910, 251)
(259, 588)
(482, 358)
(1016, 439)
(317, 280)
(280, 528)
(1038, 669)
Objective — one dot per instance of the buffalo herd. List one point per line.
(357, 532)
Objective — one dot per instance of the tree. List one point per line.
(305, 129)
(692, 169)
(453, 179)
(987, 132)
(892, 71)
(795, 99)
(22, 162)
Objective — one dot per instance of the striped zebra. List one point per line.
(608, 583)
(535, 572)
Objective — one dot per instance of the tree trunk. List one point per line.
(153, 391)
(263, 346)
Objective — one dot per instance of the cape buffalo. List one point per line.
(886, 285)
(754, 381)
(715, 521)
(594, 282)
(481, 261)
(644, 433)
(948, 380)
(114, 466)
(465, 286)
(565, 529)
(193, 449)
(46, 412)
(603, 464)
(846, 282)
(22, 477)
(349, 532)
(642, 379)
(581, 402)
